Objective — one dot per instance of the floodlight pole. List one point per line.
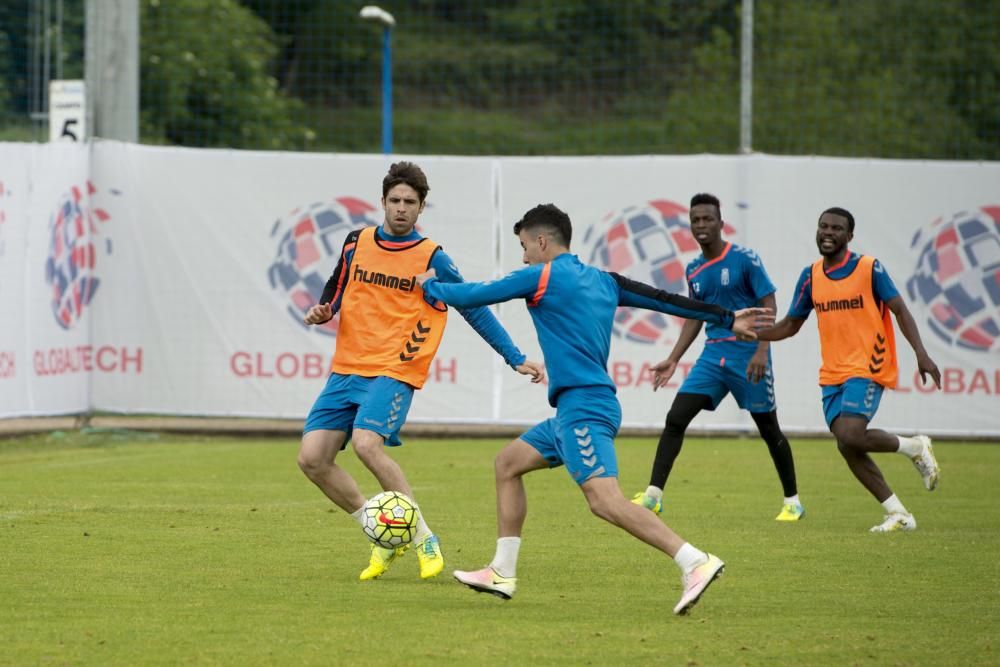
(373, 13)
(746, 79)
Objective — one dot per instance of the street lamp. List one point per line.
(373, 13)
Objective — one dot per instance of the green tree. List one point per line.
(207, 79)
(829, 79)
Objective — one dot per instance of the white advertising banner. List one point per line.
(50, 242)
(173, 281)
(935, 226)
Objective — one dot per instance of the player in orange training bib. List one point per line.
(388, 335)
(852, 295)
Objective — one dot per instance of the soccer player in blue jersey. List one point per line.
(389, 333)
(853, 295)
(733, 277)
(572, 306)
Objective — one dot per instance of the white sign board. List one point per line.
(142, 279)
(67, 110)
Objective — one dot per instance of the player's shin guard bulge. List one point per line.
(380, 561)
(487, 580)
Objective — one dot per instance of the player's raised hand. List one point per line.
(423, 277)
(319, 314)
(748, 320)
(662, 372)
(533, 368)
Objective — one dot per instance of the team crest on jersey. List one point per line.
(725, 276)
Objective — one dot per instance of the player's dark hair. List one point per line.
(550, 219)
(844, 213)
(705, 198)
(408, 173)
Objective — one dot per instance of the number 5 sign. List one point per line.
(67, 111)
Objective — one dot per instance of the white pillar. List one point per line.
(112, 68)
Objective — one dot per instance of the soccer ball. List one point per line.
(956, 282)
(390, 519)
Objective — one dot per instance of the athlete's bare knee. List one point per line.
(601, 509)
(601, 504)
(368, 452)
(851, 441)
(516, 459)
(312, 463)
(504, 465)
(318, 451)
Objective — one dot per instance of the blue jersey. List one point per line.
(735, 279)
(481, 320)
(573, 306)
(882, 286)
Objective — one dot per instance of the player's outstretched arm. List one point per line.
(747, 321)
(334, 288)
(908, 326)
(444, 284)
(786, 328)
(640, 295)
(473, 295)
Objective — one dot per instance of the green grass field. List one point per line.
(131, 548)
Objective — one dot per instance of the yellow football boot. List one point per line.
(380, 561)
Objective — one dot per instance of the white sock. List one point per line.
(909, 446)
(359, 516)
(893, 506)
(655, 493)
(689, 557)
(793, 500)
(423, 530)
(505, 559)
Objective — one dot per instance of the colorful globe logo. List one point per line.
(309, 243)
(651, 243)
(957, 278)
(70, 269)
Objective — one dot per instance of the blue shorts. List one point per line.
(582, 434)
(378, 404)
(857, 396)
(722, 369)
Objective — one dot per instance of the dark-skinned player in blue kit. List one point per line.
(733, 277)
(853, 295)
(572, 306)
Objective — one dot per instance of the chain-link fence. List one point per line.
(881, 78)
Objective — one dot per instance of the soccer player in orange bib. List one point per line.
(852, 295)
(388, 335)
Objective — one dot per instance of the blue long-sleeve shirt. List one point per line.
(572, 306)
(482, 320)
